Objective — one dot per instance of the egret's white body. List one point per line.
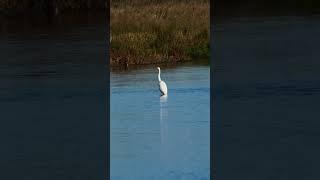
(162, 85)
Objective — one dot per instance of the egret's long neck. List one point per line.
(159, 78)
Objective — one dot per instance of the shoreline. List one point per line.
(196, 62)
(125, 61)
(122, 64)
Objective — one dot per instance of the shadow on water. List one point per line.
(194, 62)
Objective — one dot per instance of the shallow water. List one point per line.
(160, 138)
(266, 98)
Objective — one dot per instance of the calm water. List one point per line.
(266, 98)
(155, 138)
(53, 99)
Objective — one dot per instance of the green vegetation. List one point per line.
(154, 31)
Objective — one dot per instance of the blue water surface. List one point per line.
(157, 138)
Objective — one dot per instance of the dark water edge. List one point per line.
(19, 8)
(223, 8)
(266, 96)
(53, 98)
(31, 23)
(193, 62)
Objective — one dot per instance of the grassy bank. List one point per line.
(160, 31)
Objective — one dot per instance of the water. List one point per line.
(155, 138)
(53, 99)
(266, 98)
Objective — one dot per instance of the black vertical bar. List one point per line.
(212, 165)
(49, 10)
(108, 85)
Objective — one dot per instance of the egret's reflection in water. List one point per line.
(163, 118)
(164, 128)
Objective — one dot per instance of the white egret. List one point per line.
(162, 85)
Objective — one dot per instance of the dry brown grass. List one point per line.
(144, 33)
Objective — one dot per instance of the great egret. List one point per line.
(162, 85)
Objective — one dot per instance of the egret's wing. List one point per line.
(163, 87)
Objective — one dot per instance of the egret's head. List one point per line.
(158, 68)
